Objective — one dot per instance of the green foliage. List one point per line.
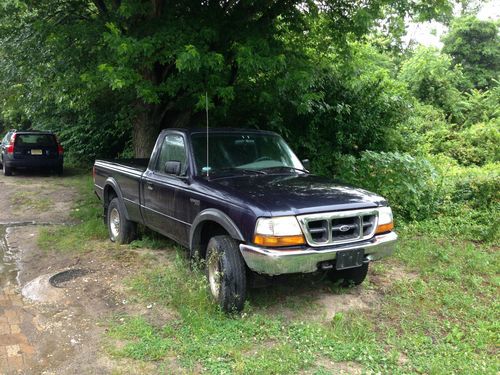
(411, 184)
(360, 105)
(479, 188)
(103, 72)
(432, 79)
(475, 45)
(478, 144)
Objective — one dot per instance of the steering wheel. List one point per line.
(262, 158)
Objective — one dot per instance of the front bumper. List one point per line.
(276, 262)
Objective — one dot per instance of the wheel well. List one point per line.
(109, 195)
(209, 230)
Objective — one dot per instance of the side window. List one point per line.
(172, 149)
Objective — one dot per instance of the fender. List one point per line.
(110, 181)
(217, 216)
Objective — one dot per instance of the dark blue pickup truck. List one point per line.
(250, 206)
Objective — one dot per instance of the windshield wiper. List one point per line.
(292, 168)
(234, 169)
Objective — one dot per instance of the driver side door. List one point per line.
(162, 190)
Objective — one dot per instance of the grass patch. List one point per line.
(31, 200)
(445, 321)
(87, 211)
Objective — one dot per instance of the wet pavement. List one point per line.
(16, 351)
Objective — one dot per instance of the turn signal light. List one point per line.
(385, 228)
(273, 241)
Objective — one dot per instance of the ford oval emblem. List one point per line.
(344, 228)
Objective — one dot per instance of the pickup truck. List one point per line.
(246, 205)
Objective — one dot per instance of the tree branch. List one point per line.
(101, 6)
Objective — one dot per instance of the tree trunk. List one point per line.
(145, 132)
(148, 123)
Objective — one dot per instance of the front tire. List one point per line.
(121, 230)
(226, 273)
(350, 276)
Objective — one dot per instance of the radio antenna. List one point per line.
(206, 109)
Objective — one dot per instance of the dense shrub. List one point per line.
(411, 184)
(477, 145)
(480, 188)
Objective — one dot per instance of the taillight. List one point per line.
(60, 149)
(10, 147)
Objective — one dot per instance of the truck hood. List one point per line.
(297, 194)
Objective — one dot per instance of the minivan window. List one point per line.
(35, 140)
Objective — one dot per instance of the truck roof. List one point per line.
(191, 131)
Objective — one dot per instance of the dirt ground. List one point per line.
(55, 324)
(52, 328)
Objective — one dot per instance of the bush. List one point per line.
(480, 188)
(411, 184)
(475, 145)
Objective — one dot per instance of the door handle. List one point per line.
(150, 186)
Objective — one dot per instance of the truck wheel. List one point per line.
(226, 273)
(7, 171)
(121, 230)
(350, 276)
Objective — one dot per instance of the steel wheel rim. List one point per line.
(214, 276)
(114, 222)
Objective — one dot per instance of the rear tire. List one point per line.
(226, 273)
(60, 170)
(7, 171)
(350, 276)
(121, 230)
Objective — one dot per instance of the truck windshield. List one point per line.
(242, 153)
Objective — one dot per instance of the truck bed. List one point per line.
(127, 174)
(138, 165)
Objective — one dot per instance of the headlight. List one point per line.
(278, 231)
(385, 221)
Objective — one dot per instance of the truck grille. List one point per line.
(332, 228)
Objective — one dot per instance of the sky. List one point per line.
(429, 33)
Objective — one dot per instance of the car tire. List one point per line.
(60, 170)
(350, 276)
(120, 229)
(7, 171)
(226, 274)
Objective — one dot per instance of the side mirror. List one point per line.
(173, 167)
(306, 163)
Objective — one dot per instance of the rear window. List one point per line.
(35, 139)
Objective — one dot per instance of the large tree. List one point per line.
(107, 67)
(475, 45)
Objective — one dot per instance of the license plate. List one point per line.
(36, 152)
(349, 259)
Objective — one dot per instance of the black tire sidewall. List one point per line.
(7, 171)
(232, 293)
(351, 276)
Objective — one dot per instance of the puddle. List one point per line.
(8, 267)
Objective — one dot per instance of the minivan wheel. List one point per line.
(350, 276)
(7, 171)
(226, 274)
(121, 230)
